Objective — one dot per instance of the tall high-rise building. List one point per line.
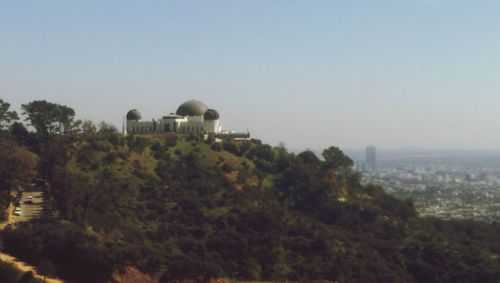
(371, 159)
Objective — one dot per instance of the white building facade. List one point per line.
(192, 117)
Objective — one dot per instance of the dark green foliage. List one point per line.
(48, 118)
(171, 141)
(76, 254)
(139, 143)
(230, 147)
(263, 156)
(17, 169)
(335, 159)
(301, 188)
(216, 146)
(109, 133)
(27, 277)
(186, 209)
(45, 267)
(309, 158)
(6, 116)
(22, 136)
(9, 274)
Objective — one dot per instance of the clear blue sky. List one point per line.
(398, 73)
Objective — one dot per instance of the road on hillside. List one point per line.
(30, 210)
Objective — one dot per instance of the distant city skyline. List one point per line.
(393, 74)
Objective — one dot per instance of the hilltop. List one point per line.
(177, 207)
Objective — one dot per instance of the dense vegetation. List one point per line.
(10, 274)
(181, 207)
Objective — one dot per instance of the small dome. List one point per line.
(134, 115)
(192, 108)
(211, 114)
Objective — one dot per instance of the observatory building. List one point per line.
(192, 117)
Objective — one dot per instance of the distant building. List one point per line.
(191, 117)
(371, 159)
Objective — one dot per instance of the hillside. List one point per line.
(179, 207)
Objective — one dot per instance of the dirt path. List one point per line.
(26, 267)
(29, 211)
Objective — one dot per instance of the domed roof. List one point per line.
(134, 115)
(211, 114)
(192, 108)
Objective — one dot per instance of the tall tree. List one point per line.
(46, 267)
(21, 134)
(17, 165)
(6, 116)
(48, 118)
(88, 128)
(336, 159)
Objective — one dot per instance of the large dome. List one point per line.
(192, 108)
(134, 115)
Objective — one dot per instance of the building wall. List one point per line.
(141, 127)
(197, 125)
(188, 125)
(167, 125)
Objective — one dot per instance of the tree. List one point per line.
(17, 168)
(27, 277)
(21, 134)
(308, 157)
(88, 128)
(66, 119)
(17, 165)
(53, 153)
(46, 267)
(9, 273)
(109, 132)
(335, 159)
(6, 116)
(278, 266)
(301, 188)
(47, 117)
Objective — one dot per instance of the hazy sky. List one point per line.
(398, 73)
